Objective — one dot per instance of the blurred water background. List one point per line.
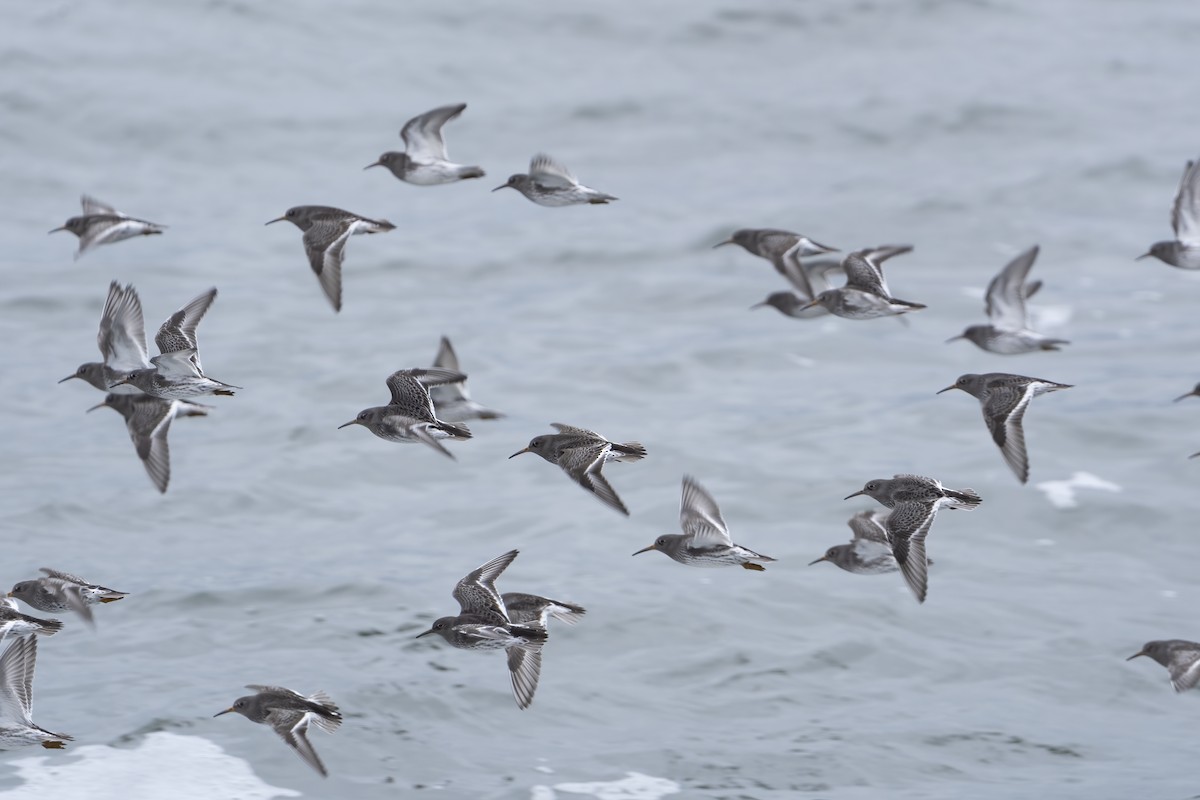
(289, 552)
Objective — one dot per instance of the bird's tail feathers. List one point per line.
(457, 431)
(966, 499)
(630, 451)
(566, 612)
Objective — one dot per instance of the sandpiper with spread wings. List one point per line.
(122, 342)
(17, 728)
(1179, 656)
(58, 592)
(177, 373)
(326, 231)
(1184, 250)
(410, 416)
(1004, 399)
(784, 249)
(549, 183)
(582, 454)
(705, 539)
(1008, 331)
(483, 623)
(424, 161)
(914, 501)
(290, 715)
(100, 224)
(865, 294)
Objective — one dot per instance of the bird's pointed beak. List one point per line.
(756, 305)
(948, 388)
(519, 452)
(498, 188)
(277, 219)
(426, 633)
(121, 382)
(807, 306)
(1176, 400)
(956, 338)
(64, 380)
(226, 711)
(10, 594)
(646, 549)
(1135, 655)
(819, 560)
(722, 244)
(856, 494)
(1139, 258)
(56, 230)
(374, 164)
(98, 405)
(348, 424)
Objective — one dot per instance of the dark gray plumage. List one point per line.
(290, 714)
(483, 623)
(326, 231)
(1004, 399)
(783, 249)
(582, 454)
(177, 373)
(532, 609)
(1179, 656)
(914, 501)
(865, 294)
(410, 417)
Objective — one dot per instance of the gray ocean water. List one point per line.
(289, 552)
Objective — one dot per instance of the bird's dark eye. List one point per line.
(662, 540)
(872, 487)
(962, 380)
(829, 553)
(535, 445)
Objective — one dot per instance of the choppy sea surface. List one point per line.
(289, 552)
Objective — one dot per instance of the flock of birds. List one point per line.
(429, 405)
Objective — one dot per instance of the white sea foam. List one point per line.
(163, 765)
(634, 786)
(1061, 494)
